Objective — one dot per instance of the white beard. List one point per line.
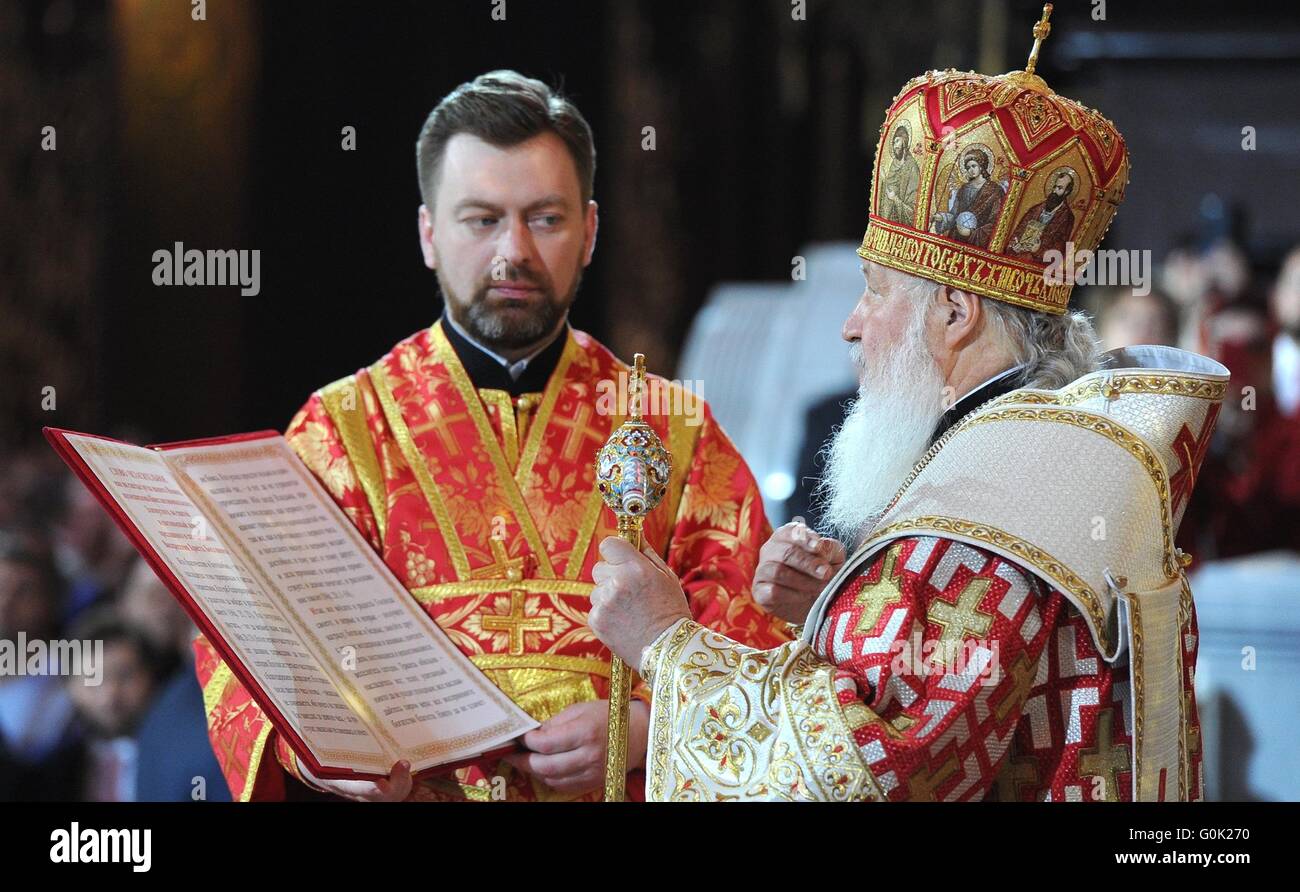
(886, 432)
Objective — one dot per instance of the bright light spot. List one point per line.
(778, 486)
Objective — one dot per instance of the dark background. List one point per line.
(226, 133)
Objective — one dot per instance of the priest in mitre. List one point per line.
(1014, 621)
(466, 457)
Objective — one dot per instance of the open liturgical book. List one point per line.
(346, 664)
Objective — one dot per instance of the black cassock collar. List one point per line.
(486, 372)
(998, 385)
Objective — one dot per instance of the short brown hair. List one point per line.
(503, 108)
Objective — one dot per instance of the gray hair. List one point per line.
(1055, 350)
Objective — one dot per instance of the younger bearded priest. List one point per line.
(466, 456)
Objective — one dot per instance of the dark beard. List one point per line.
(1054, 201)
(900, 152)
(500, 332)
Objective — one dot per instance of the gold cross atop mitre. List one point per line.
(1028, 78)
(980, 181)
(1042, 28)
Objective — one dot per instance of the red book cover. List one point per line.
(57, 438)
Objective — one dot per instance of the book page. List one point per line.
(410, 683)
(234, 601)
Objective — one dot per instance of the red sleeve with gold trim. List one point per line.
(719, 528)
(313, 435)
(240, 732)
(936, 648)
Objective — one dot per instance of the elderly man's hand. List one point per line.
(635, 599)
(793, 567)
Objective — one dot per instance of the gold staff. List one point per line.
(632, 471)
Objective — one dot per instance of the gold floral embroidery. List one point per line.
(717, 741)
(312, 443)
(710, 498)
(732, 722)
(557, 516)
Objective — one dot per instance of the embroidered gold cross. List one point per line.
(503, 565)
(923, 784)
(1193, 732)
(874, 597)
(439, 423)
(1016, 772)
(1022, 679)
(226, 752)
(578, 429)
(516, 623)
(1191, 453)
(1104, 760)
(961, 619)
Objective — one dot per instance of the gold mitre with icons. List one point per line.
(978, 179)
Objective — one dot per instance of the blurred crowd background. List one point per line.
(226, 133)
